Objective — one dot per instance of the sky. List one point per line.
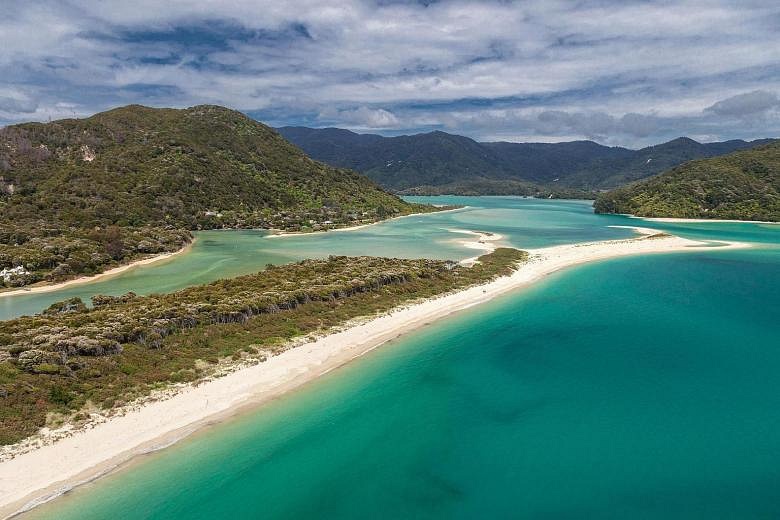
(617, 72)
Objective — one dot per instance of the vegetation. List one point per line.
(743, 185)
(478, 187)
(48, 252)
(70, 357)
(442, 163)
(77, 196)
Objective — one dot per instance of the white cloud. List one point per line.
(609, 70)
(746, 105)
(361, 118)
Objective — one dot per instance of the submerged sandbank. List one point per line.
(54, 467)
(484, 241)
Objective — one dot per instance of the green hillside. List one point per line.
(80, 194)
(743, 185)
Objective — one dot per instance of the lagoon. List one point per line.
(222, 254)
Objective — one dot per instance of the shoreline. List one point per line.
(483, 241)
(49, 287)
(281, 234)
(678, 220)
(39, 475)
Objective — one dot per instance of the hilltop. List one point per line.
(77, 195)
(743, 185)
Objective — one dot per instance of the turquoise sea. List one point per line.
(644, 387)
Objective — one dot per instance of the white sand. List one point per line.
(89, 279)
(483, 241)
(49, 470)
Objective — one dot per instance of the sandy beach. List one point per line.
(482, 241)
(47, 471)
(105, 274)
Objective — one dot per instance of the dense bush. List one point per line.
(51, 253)
(743, 185)
(480, 186)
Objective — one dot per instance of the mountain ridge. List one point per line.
(407, 163)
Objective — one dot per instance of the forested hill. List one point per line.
(438, 162)
(137, 165)
(77, 195)
(743, 185)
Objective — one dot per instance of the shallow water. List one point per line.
(222, 254)
(642, 387)
(524, 223)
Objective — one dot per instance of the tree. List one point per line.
(113, 241)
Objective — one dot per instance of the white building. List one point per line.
(6, 274)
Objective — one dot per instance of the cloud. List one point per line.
(556, 125)
(361, 117)
(640, 125)
(629, 72)
(745, 105)
(17, 105)
(595, 125)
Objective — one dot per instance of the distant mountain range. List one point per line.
(743, 185)
(438, 162)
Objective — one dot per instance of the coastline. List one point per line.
(46, 472)
(483, 241)
(50, 287)
(677, 220)
(105, 274)
(281, 234)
